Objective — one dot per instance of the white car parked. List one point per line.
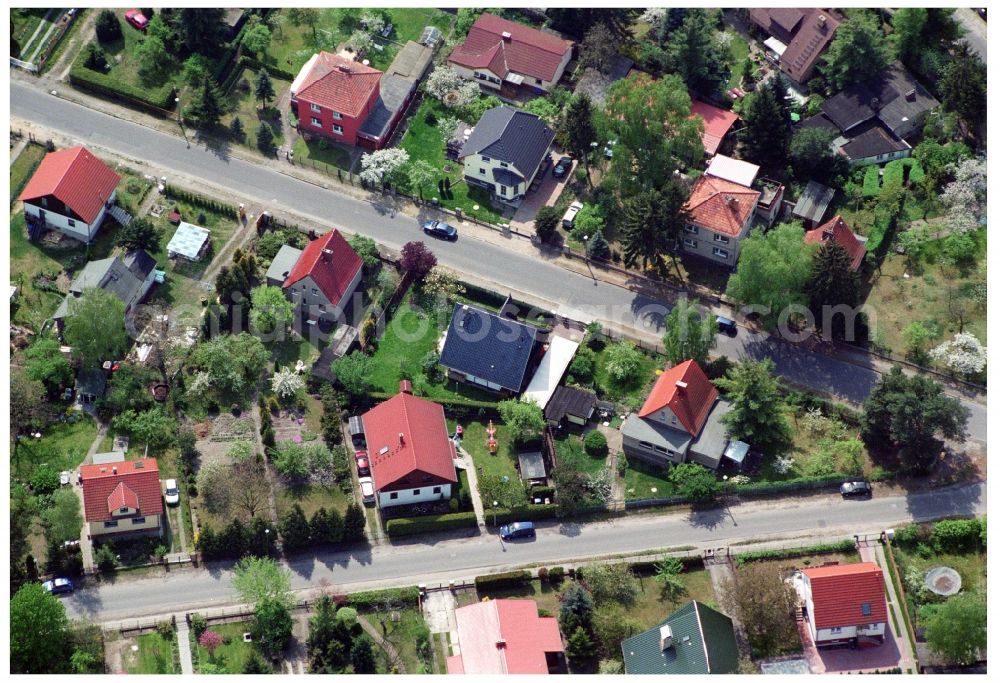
(367, 490)
(172, 494)
(570, 214)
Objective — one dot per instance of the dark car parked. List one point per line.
(726, 325)
(509, 532)
(60, 585)
(441, 229)
(562, 167)
(856, 489)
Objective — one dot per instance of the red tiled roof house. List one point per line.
(410, 452)
(70, 192)
(720, 213)
(506, 637)
(333, 96)
(122, 499)
(838, 231)
(845, 603)
(503, 56)
(324, 277)
(681, 420)
(718, 123)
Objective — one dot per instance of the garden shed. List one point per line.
(188, 242)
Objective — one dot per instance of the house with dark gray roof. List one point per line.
(129, 278)
(505, 151)
(489, 351)
(694, 640)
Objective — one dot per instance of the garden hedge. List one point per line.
(872, 182)
(397, 597)
(764, 488)
(527, 514)
(503, 580)
(917, 175)
(158, 101)
(202, 202)
(844, 546)
(894, 172)
(407, 526)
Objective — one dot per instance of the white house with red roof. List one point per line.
(506, 637)
(324, 276)
(333, 96)
(122, 499)
(70, 192)
(681, 420)
(720, 213)
(503, 56)
(844, 603)
(838, 231)
(410, 452)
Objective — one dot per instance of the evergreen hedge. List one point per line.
(408, 526)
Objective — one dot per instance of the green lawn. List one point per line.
(230, 655)
(132, 190)
(643, 481)
(244, 104)
(423, 141)
(311, 497)
(292, 349)
(23, 167)
(63, 446)
(474, 441)
(970, 566)
(156, 655)
(569, 451)
(738, 52)
(403, 635)
(322, 154)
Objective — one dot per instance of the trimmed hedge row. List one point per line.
(407, 526)
(764, 488)
(528, 514)
(843, 546)
(503, 580)
(446, 402)
(894, 172)
(157, 100)
(917, 175)
(397, 597)
(872, 182)
(202, 202)
(948, 535)
(247, 62)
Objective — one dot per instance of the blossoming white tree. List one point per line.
(381, 164)
(286, 382)
(963, 354)
(446, 85)
(964, 197)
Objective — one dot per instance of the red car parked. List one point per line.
(361, 458)
(137, 19)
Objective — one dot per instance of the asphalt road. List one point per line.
(975, 29)
(431, 562)
(579, 297)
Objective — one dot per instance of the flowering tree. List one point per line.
(380, 165)
(210, 640)
(360, 42)
(286, 382)
(964, 197)
(441, 283)
(441, 81)
(963, 354)
(200, 383)
(373, 22)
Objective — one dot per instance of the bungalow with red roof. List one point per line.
(720, 213)
(70, 192)
(844, 603)
(323, 278)
(122, 499)
(410, 452)
(839, 232)
(506, 637)
(718, 123)
(505, 56)
(681, 420)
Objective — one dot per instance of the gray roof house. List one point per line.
(129, 278)
(505, 151)
(694, 640)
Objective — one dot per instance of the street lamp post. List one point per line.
(495, 505)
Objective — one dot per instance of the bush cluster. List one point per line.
(502, 580)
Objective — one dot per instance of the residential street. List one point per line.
(486, 262)
(429, 561)
(975, 29)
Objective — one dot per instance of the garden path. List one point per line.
(466, 463)
(876, 553)
(271, 507)
(184, 645)
(394, 659)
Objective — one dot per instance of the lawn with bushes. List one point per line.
(63, 446)
(503, 462)
(156, 655)
(243, 103)
(631, 392)
(231, 656)
(570, 453)
(409, 635)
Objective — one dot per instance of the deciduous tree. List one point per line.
(259, 579)
(416, 259)
(272, 626)
(857, 53)
(694, 481)
(964, 354)
(623, 362)
(95, 327)
(256, 40)
(140, 233)
(353, 372)
(757, 414)
(759, 598)
(39, 632)
(524, 420)
(47, 364)
(956, 630)
(270, 311)
(688, 334)
(599, 47)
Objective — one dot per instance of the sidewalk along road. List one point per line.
(568, 293)
(428, 559)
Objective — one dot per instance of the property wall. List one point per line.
(424, 494)
(326, 119)
(481, 172)
(74, 227)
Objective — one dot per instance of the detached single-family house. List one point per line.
(122, 499)
(501, 637)
(411, 454)
(489, 351)
(324, 277)
(70, 192)
(718, 123)
(189, 242)
(681, 420)
(505, 56)
(844, 603)
(695, 640)
(744, 173)
(798, 37)
(837, 230)
(870, 120)
(813, 203)
(720, 213)
(129, 278)
(505, 150)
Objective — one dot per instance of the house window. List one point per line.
(315, 107)
(693, 229)
(138, 520)
(322, 307)
(538, 81)
(437, 489)
(486, 160)
(688, 242)
(416, 492)
(316, 122)
(722, 239)
(45, 202)
(504, 164)
(337, 116)
(835, 629)
(110, 525)
(721, 253)
(70, 222)
(648, 446)
(482, 171)
(339, 130)
(315, 291)
(660, 449)
(503, 190)
(123, 510)
(394, 495)
(866, 609)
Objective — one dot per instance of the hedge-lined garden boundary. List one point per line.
(158, 101)
(525, 514)
(844, 546)
(397, 597)
(503, 580)
(408, 526)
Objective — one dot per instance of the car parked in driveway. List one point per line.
(570, 215)
(516, 530)
(136, 19)
(171, 494)
(441, 230)
(361, 458)
(367, 490)
(60, 585)
(562, 167)
(858, 488)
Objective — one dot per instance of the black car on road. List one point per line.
(509, 532)
(562, 167)
(858, 488)
(441, 229)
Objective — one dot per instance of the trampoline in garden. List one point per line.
(943, 581)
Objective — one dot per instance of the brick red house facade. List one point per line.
(333, 97)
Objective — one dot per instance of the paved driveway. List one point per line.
(546, 195)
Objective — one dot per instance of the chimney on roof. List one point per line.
(876, 104)
(506, 36)
(501, 644)
(401, 438)
(666, 638)
(327, 253)
(114, 470)
(343, 68)
(682, 385)
(406, 386)
(822, 21)
(911, 95)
